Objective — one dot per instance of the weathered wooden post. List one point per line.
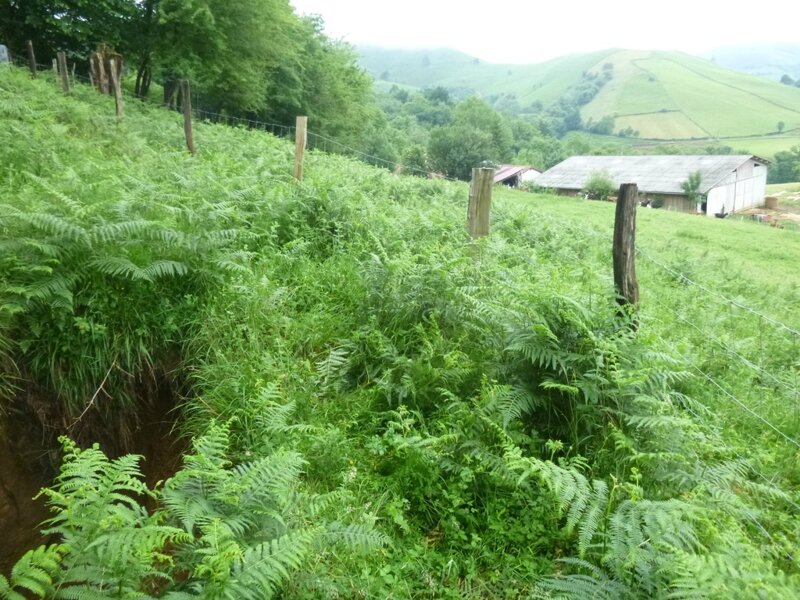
(624, 250)
(62, 69)
(31, 59)
(55, 68)
(114, 73)
(300, 141)
(480, 202)
(186, 97)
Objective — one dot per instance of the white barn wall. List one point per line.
(742, 189)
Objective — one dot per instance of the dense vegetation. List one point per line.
(380, 408)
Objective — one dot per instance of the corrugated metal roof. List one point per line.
(504, 172)
(655, 174)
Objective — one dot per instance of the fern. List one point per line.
(34, 573)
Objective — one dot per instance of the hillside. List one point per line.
(663, 95)
(332, 392)
(464, 74)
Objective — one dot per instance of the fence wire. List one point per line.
(328, 144)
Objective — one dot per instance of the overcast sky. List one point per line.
(527, 31)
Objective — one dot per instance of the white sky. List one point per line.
(527, 31)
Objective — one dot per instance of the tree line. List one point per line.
(252, 58)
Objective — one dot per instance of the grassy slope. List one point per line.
(665, 95)
(374, 267)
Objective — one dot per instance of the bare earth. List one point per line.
(788, 209)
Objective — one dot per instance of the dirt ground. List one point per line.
(787, 213)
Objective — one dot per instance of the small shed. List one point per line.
(514, 175)
(728, 183)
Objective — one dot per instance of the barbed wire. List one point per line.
(744, 360)
(727, 393)
(686, 279)
(275, 128)
(744, 459)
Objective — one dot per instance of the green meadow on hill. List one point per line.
(662, 95)
(363, 403)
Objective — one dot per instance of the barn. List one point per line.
(728, 183)
(514, 175)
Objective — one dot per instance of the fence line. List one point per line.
(276, 129)
(736, 400)
(719, 295)
(747, 362)
(727, 446)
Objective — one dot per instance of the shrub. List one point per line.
(600, 185)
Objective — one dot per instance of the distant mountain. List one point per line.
(662, 95)
(766, 60)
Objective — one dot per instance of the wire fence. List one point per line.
(317, 141)
(685, 279)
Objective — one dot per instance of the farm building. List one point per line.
(728, 183)
(514, 175)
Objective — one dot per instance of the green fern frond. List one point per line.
(264, 567)
(594, 584)
(55, 226)
(34, 572)
(124, 230)
(120, 267)
(356, 537)
(165, 268)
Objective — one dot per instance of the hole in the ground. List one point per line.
(29, 457)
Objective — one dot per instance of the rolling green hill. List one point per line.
(663, 95)
(465, 74)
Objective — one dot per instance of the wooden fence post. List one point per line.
(62, 69)
(116, 87)
(55, 68)
(186, 97)
(300, 140)
(624, 249)
(31, 59)
(480, 202)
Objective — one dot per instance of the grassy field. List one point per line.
(765, 146)
(379, 407)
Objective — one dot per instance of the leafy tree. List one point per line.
(229, 49)
(780, 126)
(786, 166)
(415, 160)
(455, 150)
(75, 26)
(691, 187)
(604, 126)
(474, 112)
(427, 112)
(438, 94)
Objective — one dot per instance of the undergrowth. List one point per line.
(380, 408)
